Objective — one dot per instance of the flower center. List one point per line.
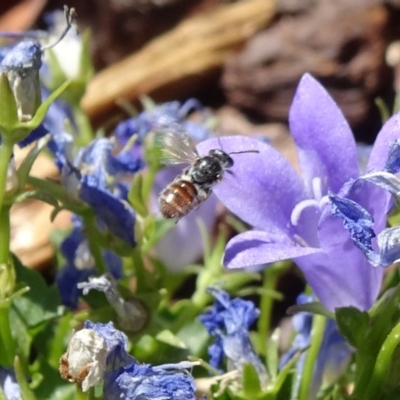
(305, 215)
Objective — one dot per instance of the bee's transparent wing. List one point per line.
(176, 145)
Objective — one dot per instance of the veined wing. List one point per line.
(176, 145)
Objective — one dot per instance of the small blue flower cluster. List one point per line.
(104, 350)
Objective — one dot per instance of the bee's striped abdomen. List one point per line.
(178, 199)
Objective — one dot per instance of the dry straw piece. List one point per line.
(195, 46)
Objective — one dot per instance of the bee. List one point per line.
(194, 185)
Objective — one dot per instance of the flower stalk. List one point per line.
(317, 335)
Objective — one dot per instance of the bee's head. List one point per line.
(224, 159)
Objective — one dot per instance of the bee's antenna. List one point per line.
(219, 142)
(235, 152)
(244, 151)
(70, 16)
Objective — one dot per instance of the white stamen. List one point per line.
(317, 188)
(298, 209)
(300, 240)
(324, 201)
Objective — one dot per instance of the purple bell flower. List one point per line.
(291, 216)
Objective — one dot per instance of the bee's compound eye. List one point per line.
(224, 158)
(216, 152)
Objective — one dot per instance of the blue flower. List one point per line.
(160, 115)
(291, 214)
(333, 357)
(116, 342)
(360, 222)
(9, 384)
(92, 352)
(145, 382)
(229, 322)
(123, 376)
(101, 179)
(21, 65)
(80, 265)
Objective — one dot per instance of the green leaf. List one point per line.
(273, 354)
(152, 234)
(58, 192)
(41, 303)
(57, 75)
(25, 167)
(284, 373)
(313, 308)
(195, 336)
(42, 110)
(251, 382)
(38, 195)
(135, 196)
(169, 338)
(8, 109)
(23, 336)
(86, 69)
(353, 324)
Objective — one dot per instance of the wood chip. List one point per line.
(195, 46)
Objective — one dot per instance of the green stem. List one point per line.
(84, 126)
(26, 391)
(317, 334)
(95, 248)
(270, 279)
(90, 394)
(6, 151)
(7, 353)
(143, 283)
(7, 344)
(382, 364)
(5, 235)
(79, 395)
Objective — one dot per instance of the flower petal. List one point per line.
(385, 180)
(387, 135)
(340, 275)
(325, 143)
(358, 221)
(389, 246)
(263, 189)
(257, 247)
